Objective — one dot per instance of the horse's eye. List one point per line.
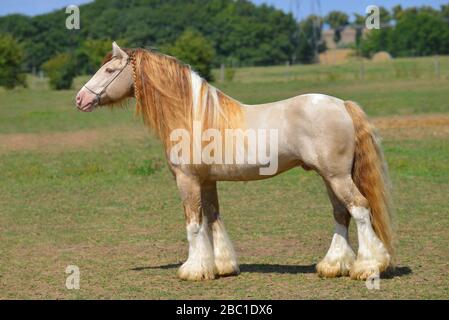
(109, 70)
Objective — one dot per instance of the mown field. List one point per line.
(92, 190)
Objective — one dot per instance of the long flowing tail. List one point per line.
(370, 174)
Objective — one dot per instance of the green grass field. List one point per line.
(92, 190)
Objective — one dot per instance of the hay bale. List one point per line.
(336, 56)
(381, 56)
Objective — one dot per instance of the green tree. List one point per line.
(61, 70)
(385, 16)
(359, 25)
(420, 32)
(194, 49)
(240, 31)
(379, 39)
(397, 12)
(11, 59)
(309, 40)
(417, 32)
(337, 20)
(375, 41)
(445, 12)
(359, 20)
(95, 50)
(91, 54)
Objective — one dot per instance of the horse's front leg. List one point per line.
(200, 264)
(225, 258)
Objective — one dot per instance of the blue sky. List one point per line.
(322, 7)
(33, 7)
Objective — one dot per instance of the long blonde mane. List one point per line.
(170, 95)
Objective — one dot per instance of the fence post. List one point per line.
(222, 72)
(436, 62)
(287, 69)
(362, 69)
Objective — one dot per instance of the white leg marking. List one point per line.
(340, 256)
(372, 257)
(225, 257)
(200, 263)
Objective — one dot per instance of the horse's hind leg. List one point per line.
(340, 256)
(224, 254)
(372, 256)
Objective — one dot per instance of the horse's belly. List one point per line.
(248, 172)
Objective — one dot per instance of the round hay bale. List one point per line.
(382, 56)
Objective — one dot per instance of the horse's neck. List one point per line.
(213, 107)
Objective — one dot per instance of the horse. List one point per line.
(314, 131)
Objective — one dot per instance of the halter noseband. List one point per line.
(98, 95)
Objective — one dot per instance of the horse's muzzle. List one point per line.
(86, 101)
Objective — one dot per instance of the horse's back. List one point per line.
(315, 128)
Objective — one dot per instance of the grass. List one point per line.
(111, 206)
(404, 68)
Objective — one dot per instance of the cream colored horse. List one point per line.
(314, 131)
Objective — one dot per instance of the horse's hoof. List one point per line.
(365, 269)
(333, 265)
(326, 269)
(199, 272)
(227, 268)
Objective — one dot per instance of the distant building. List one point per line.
(348, 37)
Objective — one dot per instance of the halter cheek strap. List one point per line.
(98, 94)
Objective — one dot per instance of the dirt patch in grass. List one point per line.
(29, 141)
(415, 121)
(415, 127)
(394, 127)
(60, 141)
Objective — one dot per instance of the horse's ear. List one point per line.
(117, 51)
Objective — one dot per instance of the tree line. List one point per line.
(204, 33)
(410, 32)
(240, 32)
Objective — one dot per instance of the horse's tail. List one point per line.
(370, 175)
